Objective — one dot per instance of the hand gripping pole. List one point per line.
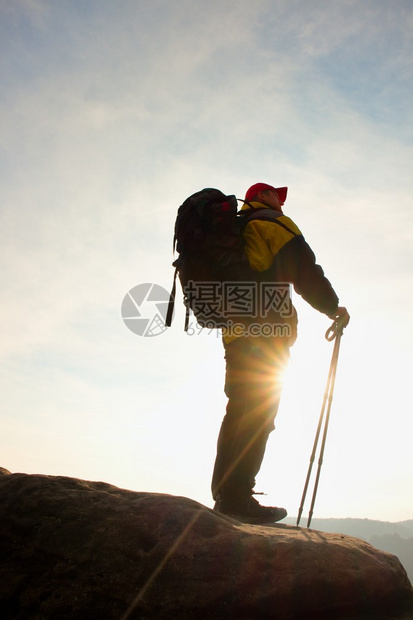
(333, 333)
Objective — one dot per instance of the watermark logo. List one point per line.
(144, 310)
(218, 301)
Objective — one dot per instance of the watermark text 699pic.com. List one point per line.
(231, 329)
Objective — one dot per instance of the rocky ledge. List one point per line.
(72, 549)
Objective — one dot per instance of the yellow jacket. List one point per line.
(278, 253)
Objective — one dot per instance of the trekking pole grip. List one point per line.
(336, 329)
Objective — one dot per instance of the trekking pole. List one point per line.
(333, 332)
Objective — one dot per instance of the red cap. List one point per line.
(260, 187)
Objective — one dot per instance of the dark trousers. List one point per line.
(254, 367)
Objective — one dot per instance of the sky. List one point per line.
(112, 113)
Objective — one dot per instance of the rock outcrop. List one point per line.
(72, 549)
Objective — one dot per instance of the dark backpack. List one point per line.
(210, 242)
(209, 237)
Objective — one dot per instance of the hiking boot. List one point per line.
(249, 511)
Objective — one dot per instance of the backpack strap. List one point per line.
(171, 304)
(257, 212)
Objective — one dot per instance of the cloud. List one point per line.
(110, 118)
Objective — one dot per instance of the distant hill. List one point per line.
(395, 538)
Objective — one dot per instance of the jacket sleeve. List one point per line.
(276, 247)
(296, 263)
